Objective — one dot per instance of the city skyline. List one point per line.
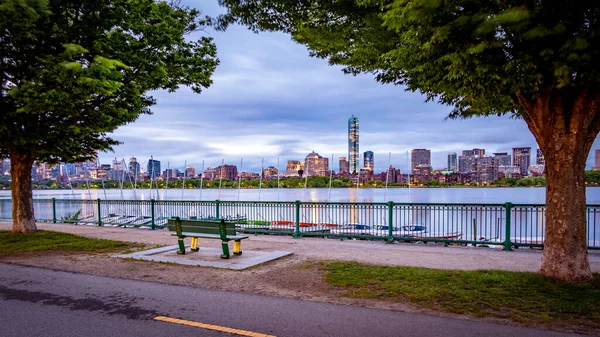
(271, 100)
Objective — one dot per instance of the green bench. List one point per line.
(207, 229)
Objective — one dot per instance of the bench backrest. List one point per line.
(202, 226)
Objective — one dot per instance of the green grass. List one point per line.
(48, 240)
(527, 298)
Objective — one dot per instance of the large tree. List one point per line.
(72, 71)
(537, 60)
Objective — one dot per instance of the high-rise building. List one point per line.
(467, 153)
(420, 158)
(134, 167)
(369, 160)
(353, 157)
(344, 166)
(479, 153)
(227, 172)
(522, 159)
(452, 164)
(153, 168)
(486, 169)
(316, 165)
(466, 164)
(117, 165)
(539, 158)
(596, 160)
(502, 158)
(190, 171)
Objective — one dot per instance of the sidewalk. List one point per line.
(372, 252)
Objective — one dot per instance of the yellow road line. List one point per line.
(211, 327)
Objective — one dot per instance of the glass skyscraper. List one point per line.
(353, 160)
(368, 160)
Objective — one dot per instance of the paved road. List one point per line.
(42, 302)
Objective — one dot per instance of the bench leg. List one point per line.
(225, 247)
(181, 246)
(237, 245)
(195, 245)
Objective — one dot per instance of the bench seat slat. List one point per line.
(212, 236)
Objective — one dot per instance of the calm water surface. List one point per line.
(517, 195)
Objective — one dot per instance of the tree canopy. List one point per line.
(531, 59)
(72, 71)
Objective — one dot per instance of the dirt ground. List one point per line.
(287, 277)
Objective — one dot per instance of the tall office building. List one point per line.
(479, 153)
(344, 165)
(316, 165)
(596, 160)
(134, 167)
(420, 158)
(539, 158)
(227, 172)
(353, 159)
(452, 162)
(153, 168)
(522, 159)
(369, 160)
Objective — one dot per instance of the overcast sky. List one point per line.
(270, 100)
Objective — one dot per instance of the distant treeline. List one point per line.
(592, 179)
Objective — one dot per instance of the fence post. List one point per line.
(152, 223)
(99, 213)
(218, 211)
(53, 210)
(297, 230)
(507, 244)
(390, 238)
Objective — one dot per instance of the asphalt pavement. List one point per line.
(43, 302)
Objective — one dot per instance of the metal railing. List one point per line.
(503, 225)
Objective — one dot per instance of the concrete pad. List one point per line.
(206, 257)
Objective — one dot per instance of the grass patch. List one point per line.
(49, 240)
(522, 297)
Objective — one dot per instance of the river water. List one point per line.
(455, 195)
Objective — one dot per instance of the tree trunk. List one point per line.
(22, 196)
(565, 123)
(565, 254)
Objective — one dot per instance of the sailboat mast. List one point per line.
(167, 182)
(184, 175)
(387, 177)
(330, 178)
(240, 177)
(221, 172)
(201, 179)
(277, 179)
(262, 164)
(151, 174)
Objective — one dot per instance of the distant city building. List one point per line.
(227, 172)
(420, 158)
(294, 165)
(479, 153)
(117, 165)
(344, 166)
(486, 169)
(190, 171)
(536, 170)
(134, 167)
(452, 162)
(249, 176)
(210, 173)
(502, 158)
(596, 161)
(5, 167)
(509, 171)
(316, 165)
(170, 173)
(153, 168)
(353, 154)
(467, 153)
(270, 172)
(522, 158)
(466, 164)
(369, 160)
(539, 158)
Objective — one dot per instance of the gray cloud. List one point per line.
(271, 100)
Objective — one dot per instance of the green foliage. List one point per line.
(48, 240)
(71, 218)
(528, 298)
(481, 57)
(592, 177)
(75, 70)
